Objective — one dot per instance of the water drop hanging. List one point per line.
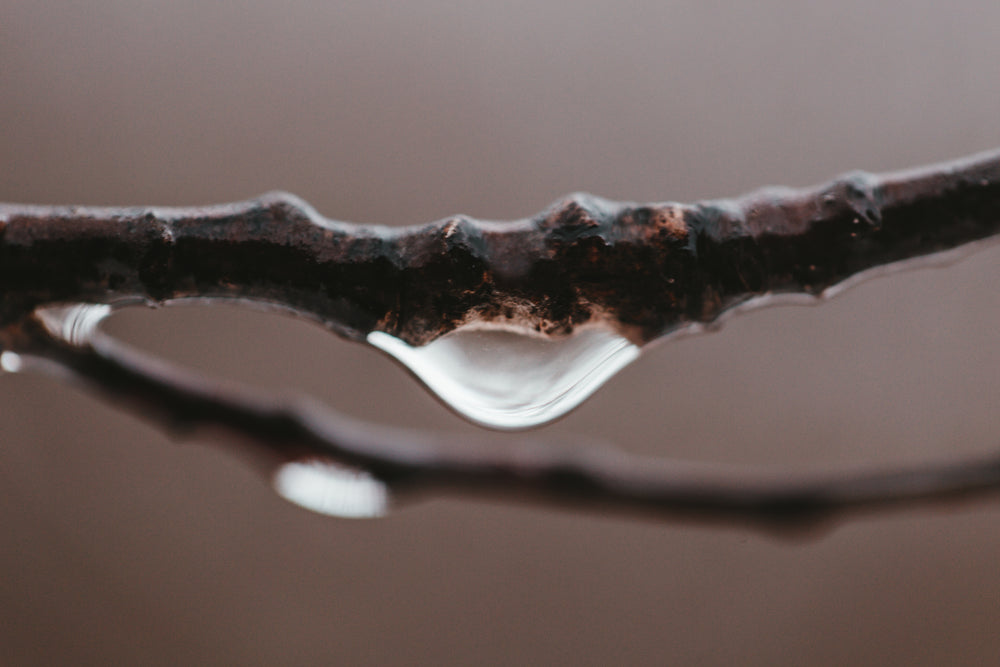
(507, 379)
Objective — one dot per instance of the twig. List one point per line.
(645, 270)
(281, 430)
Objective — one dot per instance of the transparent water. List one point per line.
(75, 323)
(511, 380)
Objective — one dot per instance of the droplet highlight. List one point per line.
(11, 362)
(74, 323)
(332, 489)
(507, 379)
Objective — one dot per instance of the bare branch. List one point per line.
(643, 269)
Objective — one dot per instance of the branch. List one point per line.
(281, 430)
(645, 270)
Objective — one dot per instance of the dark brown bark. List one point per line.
(643, 269)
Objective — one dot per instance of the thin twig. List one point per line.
(280, 429)
(645, 270)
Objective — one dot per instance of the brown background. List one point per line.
(121, 546)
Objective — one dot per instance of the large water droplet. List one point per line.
(332, 489)
(510, 380)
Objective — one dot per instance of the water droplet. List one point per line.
(75, 323)
(11, 362)
(332, 489)
(510, 380)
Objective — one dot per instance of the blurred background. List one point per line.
(124, 547)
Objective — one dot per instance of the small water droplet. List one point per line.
(332, 489)
(74, 323)
(511, 380)
(11, 362)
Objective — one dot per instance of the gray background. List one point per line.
(121, 546)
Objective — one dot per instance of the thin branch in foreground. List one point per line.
(279, 431)
(642, 270)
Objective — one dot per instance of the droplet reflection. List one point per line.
(332, 489)
(510, 380)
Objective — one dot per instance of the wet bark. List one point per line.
(644, 270)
